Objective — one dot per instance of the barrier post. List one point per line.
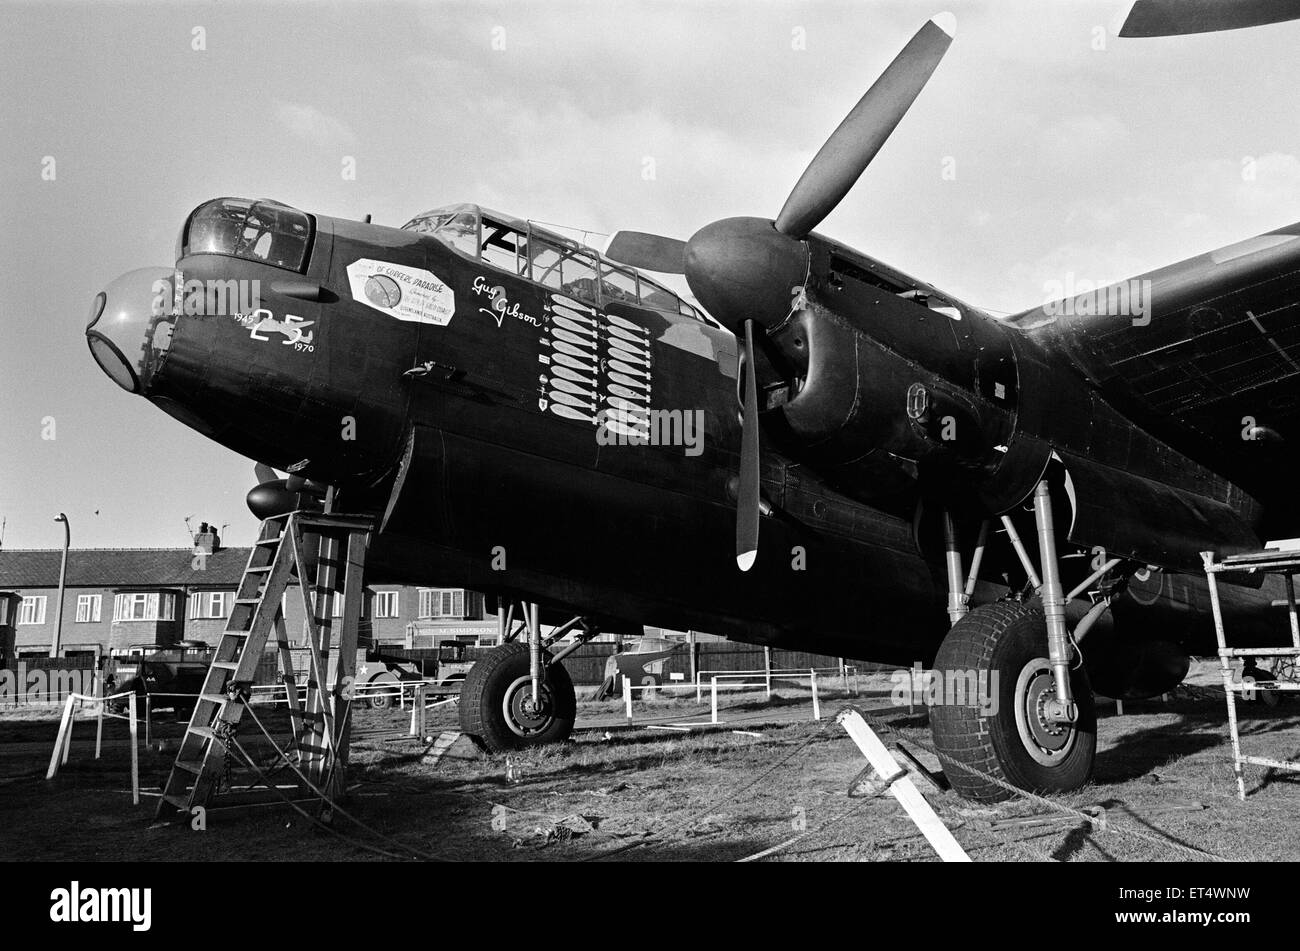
(148, 718)
(99, 727)
(627, 697)
(60, 740)
(135, 753)
(817, 707)
(417, 712)
(899, 783)
(698, 689)
(714, 701)
(767, 667)
(67, 738)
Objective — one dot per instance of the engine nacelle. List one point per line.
(860, 411)
(1134, 670)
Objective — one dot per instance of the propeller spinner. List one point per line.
(744, 269)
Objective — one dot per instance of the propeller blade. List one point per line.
(1180, 17)
(747, 487)
(853, 145)
(264, 473)
(651, 252)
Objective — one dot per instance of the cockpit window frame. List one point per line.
(540, 238)
(253, 203)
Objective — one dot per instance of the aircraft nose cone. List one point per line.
(124, 322)
(743, 269)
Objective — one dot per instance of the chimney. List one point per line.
(206, 541)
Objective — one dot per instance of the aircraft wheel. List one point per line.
(1004, 733)
(496, 702)
(380, 701)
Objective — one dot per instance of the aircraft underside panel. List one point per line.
(834, 576)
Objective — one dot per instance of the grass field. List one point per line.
(1163, 776)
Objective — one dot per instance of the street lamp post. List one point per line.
(63, 577)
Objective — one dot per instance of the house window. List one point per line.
(210, 604)
(442, 602)
(336, 603)
(88, 608)
(32, 610)
(144, 606)
(384, 604)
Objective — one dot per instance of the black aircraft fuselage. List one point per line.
(499, 424)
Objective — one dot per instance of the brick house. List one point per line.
(122, 597)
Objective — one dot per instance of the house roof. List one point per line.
(120, 567)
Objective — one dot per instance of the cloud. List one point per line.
(308, 122)
(1079, 138)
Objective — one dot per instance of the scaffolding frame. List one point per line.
(1269, 561)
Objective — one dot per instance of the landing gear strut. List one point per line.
(519, 695)
(1029, 721)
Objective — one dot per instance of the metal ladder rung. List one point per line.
(226, 664)
(214, 698)
(189, 766)
(1259, 652)
(180, 802)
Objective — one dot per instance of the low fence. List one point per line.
(49, 680)
(586, 665)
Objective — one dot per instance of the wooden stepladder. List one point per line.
(324, 555)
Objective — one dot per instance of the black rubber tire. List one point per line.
(1004, 638)
(483, 694)
(380, 701)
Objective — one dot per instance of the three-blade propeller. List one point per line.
(828, 178)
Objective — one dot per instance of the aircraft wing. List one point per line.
(1205, 353)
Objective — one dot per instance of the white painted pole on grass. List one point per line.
(148, 719)
(627, 698)
(902, 787)
(99, 728)
(135, 753)
(817, 707)
(699, 686)
(767, 667)
(57, 755)
(715, 700)
(67, 737)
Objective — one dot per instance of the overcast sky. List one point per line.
(1068, 159)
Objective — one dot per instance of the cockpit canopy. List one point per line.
(264, 231)
(522, 248)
